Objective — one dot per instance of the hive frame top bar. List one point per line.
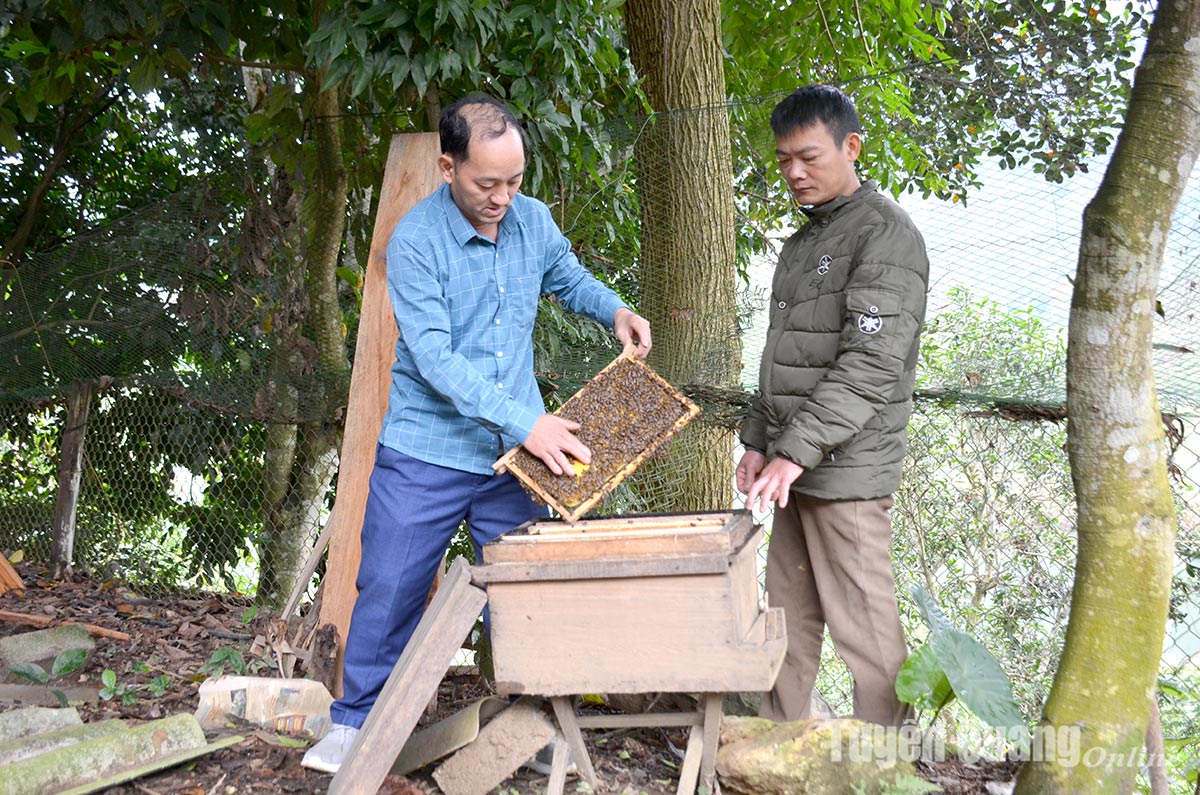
(688, 411)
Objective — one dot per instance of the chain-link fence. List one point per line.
(173, 327)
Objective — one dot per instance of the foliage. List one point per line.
(113, 690)
(67, 662)
(940, 87)
(953, 664)
(96, 97)
(984, 516)
(1180, 697)
(219, 659)
(974, 346)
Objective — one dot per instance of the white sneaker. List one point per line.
(328, 755)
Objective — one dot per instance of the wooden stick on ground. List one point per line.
(46, 621)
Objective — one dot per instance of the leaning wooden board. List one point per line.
(626, 413)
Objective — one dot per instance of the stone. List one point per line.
(508, 741)
(77, 765)
(43, 645)
(20, 723)
(816, 757)
(26, 747)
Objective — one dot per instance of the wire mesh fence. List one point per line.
(175, 329)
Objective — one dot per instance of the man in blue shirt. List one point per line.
(466, 267)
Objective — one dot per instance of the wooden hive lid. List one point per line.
(626, 413)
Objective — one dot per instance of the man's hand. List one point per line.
(553, 439)
(633, 331)
(773, 484)
(748, 468)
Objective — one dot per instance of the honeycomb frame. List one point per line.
(618, 448)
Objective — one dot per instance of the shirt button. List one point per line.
(497, 321)
(874, 310)
(500, 354)
(783, 304)
(500, 385)
(501, 289)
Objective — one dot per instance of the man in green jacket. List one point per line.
(825, 438)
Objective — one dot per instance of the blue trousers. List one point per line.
(413, 509)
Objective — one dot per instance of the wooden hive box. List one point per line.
(639, 604)
(626, 413)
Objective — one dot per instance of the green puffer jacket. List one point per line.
(836, 382)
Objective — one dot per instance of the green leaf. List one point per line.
(31, 671)
(145, 74)
(8, 137)
(420, 77)
(922, 682)
(109, 678)
(978, 681)
(1175, 688)
(291, 742)
(935, 619)
(69, 661)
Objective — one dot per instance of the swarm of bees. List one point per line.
(625, 413)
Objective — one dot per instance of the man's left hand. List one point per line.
(633, 331)
(773, 484)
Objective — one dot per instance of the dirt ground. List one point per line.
(176, 642)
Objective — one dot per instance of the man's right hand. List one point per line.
(748, 468)
(553, 439)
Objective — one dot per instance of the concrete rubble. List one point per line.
(43, 645)
(51, 750)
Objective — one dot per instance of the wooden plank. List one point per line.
(416, 675)
(743, 579)
(40, 695)
(730, 538)
(9, 579)
(663, 566)
(711, 704)
(634, 522)
(558, 768)
(671, 634)
(411, 174)
(650, 720)
(690, 769)
(565, 714)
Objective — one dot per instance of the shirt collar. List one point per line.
(831, 206)
(460, 227)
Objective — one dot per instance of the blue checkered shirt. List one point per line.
(463, 388)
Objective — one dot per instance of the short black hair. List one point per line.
(816, 103)
(484, 115)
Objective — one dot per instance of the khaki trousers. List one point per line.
(829, 563)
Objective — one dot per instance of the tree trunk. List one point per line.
(295, 517)
(70, 468)
(301, 460)
(688, 283)
(1105, 681)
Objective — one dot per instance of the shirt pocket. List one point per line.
(522, 295)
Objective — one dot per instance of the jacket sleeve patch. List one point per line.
(875, 321)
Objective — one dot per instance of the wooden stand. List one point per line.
(633, 605)
(699, 761)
